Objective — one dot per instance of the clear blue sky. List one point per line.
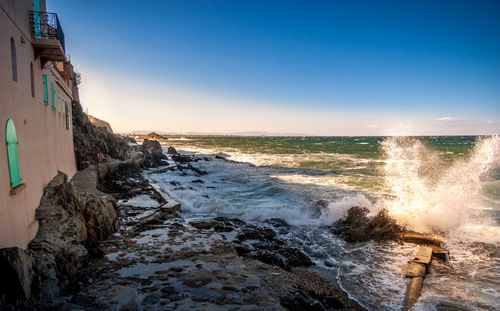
(375, 65)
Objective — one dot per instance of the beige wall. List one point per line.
(45, 145)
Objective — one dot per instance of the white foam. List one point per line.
(431, 195)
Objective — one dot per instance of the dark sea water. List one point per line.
(443, 185)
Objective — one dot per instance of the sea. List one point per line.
(447, 186)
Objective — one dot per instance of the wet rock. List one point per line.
(296, 300)
(269, 257)
(294, 257)
(358, 227)
(198, 181)
(314, 289)
(251, 232)
(204, 223)
(277, 223)
(197, 282)
(168, 290)
(171, 150)
(222, 228)
(243, 249)
(175, 183)
(197, 171)
(180, 158)
(151, 299)
(232, 222)
(318, 207)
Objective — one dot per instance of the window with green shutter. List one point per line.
(52, 94)
(12, 155)
(45, 91)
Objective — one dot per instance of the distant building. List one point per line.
(35, 114)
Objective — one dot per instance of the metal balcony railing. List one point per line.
(45, 25)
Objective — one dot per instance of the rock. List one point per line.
(314, 288)
(358, 227)
(294, 257)
(251, 232)
(100, 123)
(129, 140)
(197, 171)
(277, 223)
(171, 150)
(94, 143)
(17, 273)
(154, 136)
(269, 257)
(152, 153)
(204, 223)
(197, 282)
(70, 224)
(198, 181)
(296, 300)
(150, 299)
(180, 158)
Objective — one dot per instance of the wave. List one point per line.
(431, 195)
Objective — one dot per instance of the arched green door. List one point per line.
(12, 154)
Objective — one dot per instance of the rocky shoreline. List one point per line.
(159, 260)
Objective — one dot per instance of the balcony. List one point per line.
(47, 36)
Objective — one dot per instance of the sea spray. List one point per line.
(433, 196)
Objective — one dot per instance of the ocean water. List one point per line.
(449, 186)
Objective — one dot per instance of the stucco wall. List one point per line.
(45, 145)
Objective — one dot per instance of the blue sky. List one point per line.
(312, 67)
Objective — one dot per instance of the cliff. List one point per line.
(93, 143)
(100, 123)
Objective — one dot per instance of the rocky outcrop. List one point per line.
(154, 136)
(171, 150)
(152, 153)
(93, 143)
(314, 292)
(70, 223)
(100, 123)
(15, 284)
(357, 226)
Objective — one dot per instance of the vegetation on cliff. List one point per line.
(94, 143)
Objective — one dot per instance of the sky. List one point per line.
(285, 67)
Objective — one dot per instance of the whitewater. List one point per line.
(448, 186)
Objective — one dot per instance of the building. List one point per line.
(35, 114)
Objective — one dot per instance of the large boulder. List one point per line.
(357, 226)
(152, 153)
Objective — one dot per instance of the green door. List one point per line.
(12, 155)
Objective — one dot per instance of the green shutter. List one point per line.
(67, 115)
(45, 91)
(12, 155)
(52, 94)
